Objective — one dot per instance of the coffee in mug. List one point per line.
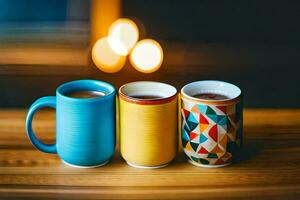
(85, 94)
(211, 96)
(146, 96)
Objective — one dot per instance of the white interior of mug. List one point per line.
(148, 88)
(215, 87)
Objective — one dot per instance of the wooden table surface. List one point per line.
(268, 169)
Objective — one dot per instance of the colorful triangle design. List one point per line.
(222, 128)
(202, 108)
(194, 146)
(217, 149)
(203, 161)
(210, 111)
(195, 109)
(203, 120)
(222, 148)
(185, 113)
(191, 118)
(212, 155)
(192, 122)
(222, 119)
(184, 142)
(218, 119)
(203, 127)
(222, 108)
(193, 135)
(185, 135)
(188, 147)
(203, 138)
(192, 125)
(203, 150)
(223, 141)
(213, 117)
(195, 159)
(186, 128)
(213, 133)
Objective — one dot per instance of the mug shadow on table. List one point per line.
(250, 149)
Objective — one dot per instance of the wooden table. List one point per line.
(269, 169)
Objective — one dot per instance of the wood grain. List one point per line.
(268, 167)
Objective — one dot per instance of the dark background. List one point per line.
(231, 21)
(251, 43)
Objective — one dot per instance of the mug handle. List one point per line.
(49, 101)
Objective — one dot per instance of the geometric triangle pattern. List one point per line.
(203, 127)
(203, 138)
(193, 135)
(211, 134)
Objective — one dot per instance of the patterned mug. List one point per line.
(212, 122)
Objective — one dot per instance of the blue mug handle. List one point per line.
(49, 101)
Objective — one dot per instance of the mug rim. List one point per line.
(212, 101)
(153, 101)
(110, 90)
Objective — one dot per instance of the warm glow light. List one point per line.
(147, 56)
(105, 58)
(126, 33)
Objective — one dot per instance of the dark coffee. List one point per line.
(146, 96)
(211, 96)
(84, 94)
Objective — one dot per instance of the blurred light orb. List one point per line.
(117, 46)
(125, 33)
(105, 58)
(147, 56)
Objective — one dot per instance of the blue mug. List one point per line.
(85, 127)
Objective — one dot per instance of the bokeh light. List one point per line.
(125, 33)
(105, 58)
(146, 56)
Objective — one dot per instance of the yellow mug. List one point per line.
(148, 123)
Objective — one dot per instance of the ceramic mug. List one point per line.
(148, 123)
(85, 127)
(211, 129)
